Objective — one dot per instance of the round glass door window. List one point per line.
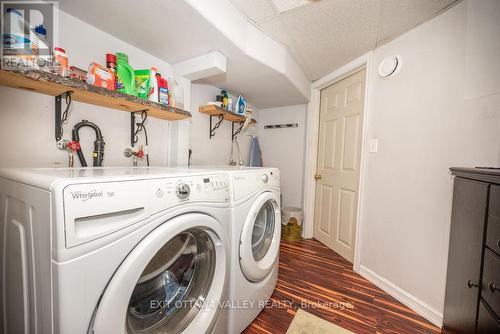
(263, 230)
(172, 288)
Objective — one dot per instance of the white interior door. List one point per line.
(339, 154)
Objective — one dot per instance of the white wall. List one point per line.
(284, 149)
(424, 126)
(27, 119)
(214, 151)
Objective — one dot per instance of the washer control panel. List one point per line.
(95, 209)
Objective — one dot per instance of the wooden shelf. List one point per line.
(54, 85)
(213, 110)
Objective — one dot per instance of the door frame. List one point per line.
(363, 62)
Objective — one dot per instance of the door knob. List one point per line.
(471, 285)
(493, 288)
(318, 176)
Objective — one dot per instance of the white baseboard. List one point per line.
(421, 308)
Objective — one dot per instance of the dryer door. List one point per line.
(172, 281)
(260, 238)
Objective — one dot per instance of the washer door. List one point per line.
(172, 281)
(260, 238)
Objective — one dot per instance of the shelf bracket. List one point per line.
(136, 128)
(238, 130)
(60, 116)
(216, 125)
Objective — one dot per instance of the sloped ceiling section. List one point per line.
(323, 35)
(255, 44)
(175, 30)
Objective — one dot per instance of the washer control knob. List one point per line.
(183, 191)
(265, 178)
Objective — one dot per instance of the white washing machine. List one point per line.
(113, 250)
(255, 234)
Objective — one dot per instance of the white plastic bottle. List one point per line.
(177, 93)
(20, 41)
(153, 84)
(38, 36)
(14, 38)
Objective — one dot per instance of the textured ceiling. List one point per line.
(326, 34)
(321, 35)
(187, 35)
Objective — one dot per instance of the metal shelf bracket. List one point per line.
(215, 126)
(60, 116)
(238, 130)
(136, 128)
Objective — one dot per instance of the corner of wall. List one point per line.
(420, 307)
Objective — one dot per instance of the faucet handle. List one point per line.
(128, 152)
(69, 147)
(62, 144)
(73, 146)
(140, 153)
(131, 153)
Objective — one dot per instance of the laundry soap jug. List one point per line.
(125, 75)
(143, 83)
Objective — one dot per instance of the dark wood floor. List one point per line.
(311, 274)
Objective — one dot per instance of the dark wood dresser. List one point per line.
(472, 300)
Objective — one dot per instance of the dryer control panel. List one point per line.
(245, 184)
(92, 210)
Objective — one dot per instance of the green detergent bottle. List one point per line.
(143, 83)
(125, 75)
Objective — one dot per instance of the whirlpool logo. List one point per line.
(85, 196)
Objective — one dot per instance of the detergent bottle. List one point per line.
(15, 41)
(162, 89)
(153, 85)
(125, 75)
(143, 83)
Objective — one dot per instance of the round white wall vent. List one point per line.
(389, 66)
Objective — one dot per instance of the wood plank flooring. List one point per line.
(321, 282)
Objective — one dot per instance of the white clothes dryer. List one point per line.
(255, 234)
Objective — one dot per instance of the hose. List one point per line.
(98, 154)
(240, 161)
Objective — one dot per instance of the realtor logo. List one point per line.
(28, 32)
